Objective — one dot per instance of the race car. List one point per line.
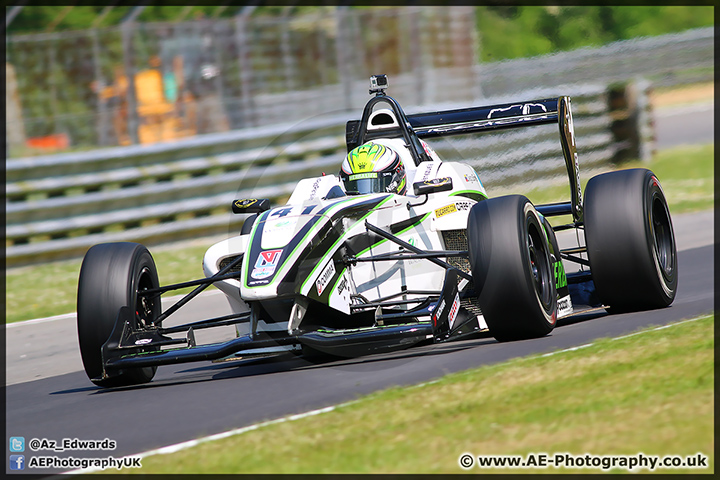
(399, 249)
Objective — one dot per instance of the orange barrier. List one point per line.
(58, 141)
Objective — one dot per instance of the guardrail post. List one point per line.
(645, 121)
(631, 127)
(416, 56)
(52, 65)
(102, 121)
(341, 51)
(246, 72)
(14, 124)
(132, 114)
(476, 53)
(289, 70)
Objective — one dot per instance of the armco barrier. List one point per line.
(58, 206)
(665, 60)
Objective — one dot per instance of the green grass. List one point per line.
(686, 174)
(651, 392)
(51, 289)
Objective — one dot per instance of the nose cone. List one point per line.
(275, 245)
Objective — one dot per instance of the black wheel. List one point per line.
(511, 268)
(110, 277)
(630, 240)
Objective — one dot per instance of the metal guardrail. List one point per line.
(58, 206)
(665, 60)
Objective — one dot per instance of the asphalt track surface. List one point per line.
(192, 400)
(684, 125)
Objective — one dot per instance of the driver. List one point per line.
(373, 168)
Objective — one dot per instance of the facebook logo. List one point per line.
(17, 462)
(17, 444)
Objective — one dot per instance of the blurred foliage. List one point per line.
(37, 18)
(505, 31)
(63, 81)
(521, 31)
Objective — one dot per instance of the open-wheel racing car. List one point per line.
(400, 249)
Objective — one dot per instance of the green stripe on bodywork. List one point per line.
(300, 243)
(342, 272)
(246, 265)
(545, 227)
(476, 195)
(560, 277)
(397, 234)
(322, 260)
(366, 329)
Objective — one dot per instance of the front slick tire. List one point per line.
(630, 240)
(511, 268)
(110, 277)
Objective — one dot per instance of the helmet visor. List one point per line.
(364, 183)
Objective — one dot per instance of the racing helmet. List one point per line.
(373, 168)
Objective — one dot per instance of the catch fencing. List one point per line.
(58, 206)
(141, 83)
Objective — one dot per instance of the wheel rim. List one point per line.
(144, 305)
(663, 242)
(539, 266)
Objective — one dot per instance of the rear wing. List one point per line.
(510, 115)
(479, 119)
(476, 120)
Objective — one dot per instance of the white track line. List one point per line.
(65, 316)
(572, 349)
(193, 443)
(238, 431)
(73, 315)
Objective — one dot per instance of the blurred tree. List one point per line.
(520, 31)
(510, 32)
(506, 31)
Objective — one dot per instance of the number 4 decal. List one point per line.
(282, 212)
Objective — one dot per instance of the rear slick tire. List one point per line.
(110, 277)
(511, 267)
(630, 240)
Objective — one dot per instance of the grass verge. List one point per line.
(649, 393)
(686, 174)
(49, 289)
(38, 291)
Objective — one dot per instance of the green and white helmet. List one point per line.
(373, 168)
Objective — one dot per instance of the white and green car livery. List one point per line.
(298, 249)
(348, 272)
